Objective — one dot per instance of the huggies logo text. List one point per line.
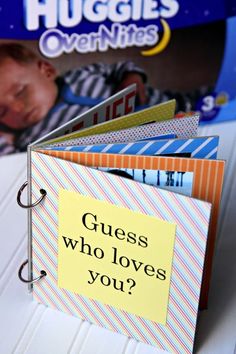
(70, 13)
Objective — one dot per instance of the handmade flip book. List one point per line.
(120, 237)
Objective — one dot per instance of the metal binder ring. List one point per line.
(30, 281)
(42, 191)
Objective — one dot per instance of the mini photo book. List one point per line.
(122, 220)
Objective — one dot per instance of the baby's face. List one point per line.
(27, 92)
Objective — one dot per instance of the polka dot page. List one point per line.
(183, 128)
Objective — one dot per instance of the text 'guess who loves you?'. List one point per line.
(112, 254)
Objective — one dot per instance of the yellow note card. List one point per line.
(114, 255)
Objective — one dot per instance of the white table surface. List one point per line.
(28, 327)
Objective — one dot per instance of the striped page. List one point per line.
(190, 215)
(201, 147)
(207, 185)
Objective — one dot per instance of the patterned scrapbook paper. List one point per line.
(190, 215)
(207, 185)
(155, 113)
(200, 147)
(183, 128)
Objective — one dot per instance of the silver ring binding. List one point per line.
(42, 191)
(30, 281)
